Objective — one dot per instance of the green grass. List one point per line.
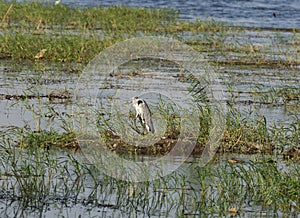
(281, 95)
(35, 174)
(110, 19)
(36, 178)
(19, 46)
(245, 132)
(49, 139)
(77, 35)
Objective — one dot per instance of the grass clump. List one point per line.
(108, 19)
(19, 46)
(264, 183)
(246, 135)
(37, 178)
(49, 139)
(78, 34)
(287, 96)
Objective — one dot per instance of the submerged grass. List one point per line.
(36, 178)
(281, 95)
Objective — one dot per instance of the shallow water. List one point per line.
(248, 84)
(25, 92)
(110, 197)
(160, 75)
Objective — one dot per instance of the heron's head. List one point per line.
(137, 101)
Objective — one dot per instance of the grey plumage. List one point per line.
(143, 113)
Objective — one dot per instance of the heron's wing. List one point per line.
(147, 118)
(141, 119)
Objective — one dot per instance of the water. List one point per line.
(243, 81)
(250, 13)
(115, 199)
(76, 192)
(16, 111)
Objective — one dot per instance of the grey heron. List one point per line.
(143, 113)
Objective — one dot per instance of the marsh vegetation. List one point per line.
(256, 170)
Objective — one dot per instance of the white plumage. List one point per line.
(57, 2)
(143, 113)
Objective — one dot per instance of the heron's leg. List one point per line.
(142, 122)
(135, 127)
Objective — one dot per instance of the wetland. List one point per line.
(45, 51)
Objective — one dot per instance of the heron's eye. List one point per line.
(140, 102)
